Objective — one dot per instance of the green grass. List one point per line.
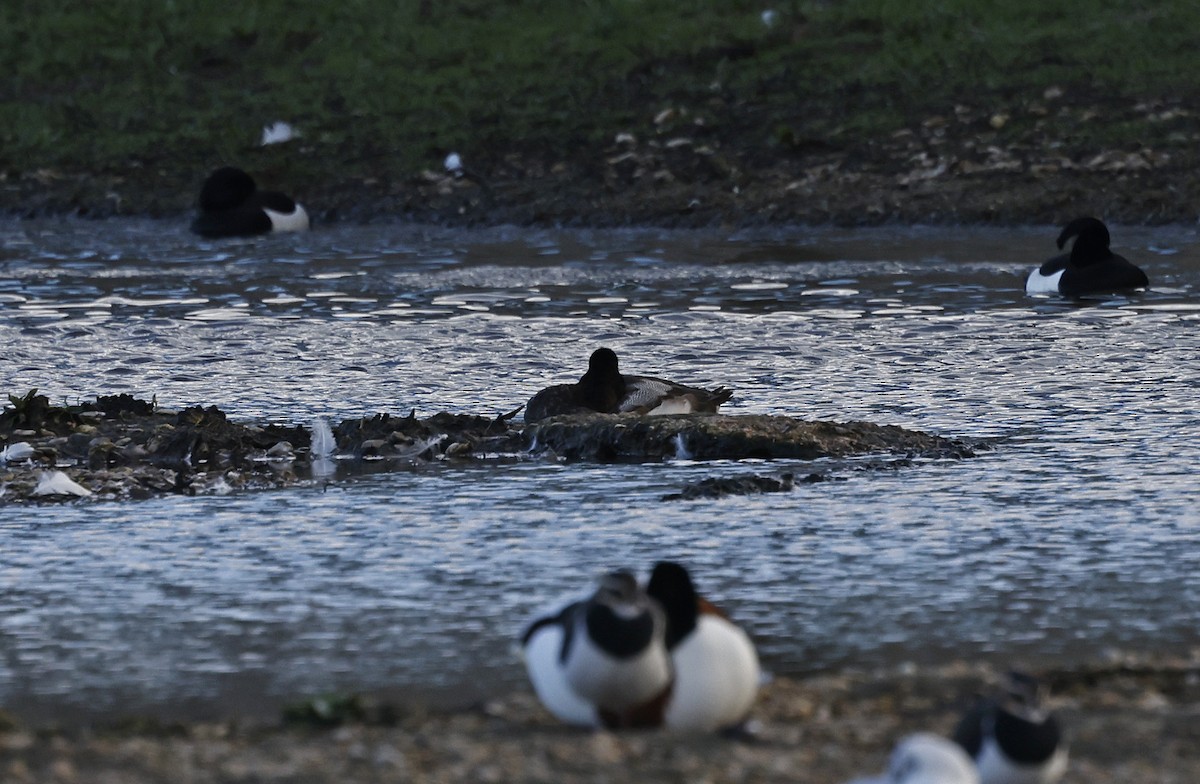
(378, 87)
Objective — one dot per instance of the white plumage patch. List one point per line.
(1043, 284)
(612, 683)
(550, 681)
(680, 404)
(925, 758)
(296, 220)
(716, 677)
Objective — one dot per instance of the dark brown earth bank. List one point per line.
(1129, 719)
(966, 165)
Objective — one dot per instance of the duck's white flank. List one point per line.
(925, 758)
(550, 681)
(680, 404)
(716, 677)
(296, 220)
(1043, 284)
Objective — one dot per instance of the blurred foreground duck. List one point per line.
(714, 662)
(231, 205)
(603, 388)
(924, 758)
(628, 657)
(597, 661)
(1012, 737)
(1090, 268)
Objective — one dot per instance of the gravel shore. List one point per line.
(1130, 720)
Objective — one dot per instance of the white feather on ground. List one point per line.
(58, 483)
(14, 452)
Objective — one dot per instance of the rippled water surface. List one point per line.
(1079, 530)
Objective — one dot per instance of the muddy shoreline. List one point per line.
(1130, 720)
(945, 169)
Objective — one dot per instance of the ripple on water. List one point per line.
(1074, 533)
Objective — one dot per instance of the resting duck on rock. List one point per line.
(231, 205)
(1090, 268)
(604, 389)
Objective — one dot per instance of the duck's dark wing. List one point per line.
(1114, 274)
(559, 618)
(245, 220)
(276, 201)
(1055, 264)
(644, 393)
(558, 400)
(969, 731)
(1027, 742)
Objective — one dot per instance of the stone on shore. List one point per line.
(121, 447)
(610, 437)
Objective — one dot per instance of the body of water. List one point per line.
(1077, 531)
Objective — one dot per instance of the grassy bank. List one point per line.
(158, 93)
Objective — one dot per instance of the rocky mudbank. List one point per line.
(122, 447)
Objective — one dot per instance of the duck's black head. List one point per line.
(1023, 694)
(1024, 728)
(1091, 241)
(602, 388)
(619, 617)
(671, 586)
(226, 188)
(618, 587)
(604, 361)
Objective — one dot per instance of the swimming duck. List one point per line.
(1013, 738)
(599, 661)
(1090, 268)
(605, 389)
(232, 206)
(714, 662)
(925, 758)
